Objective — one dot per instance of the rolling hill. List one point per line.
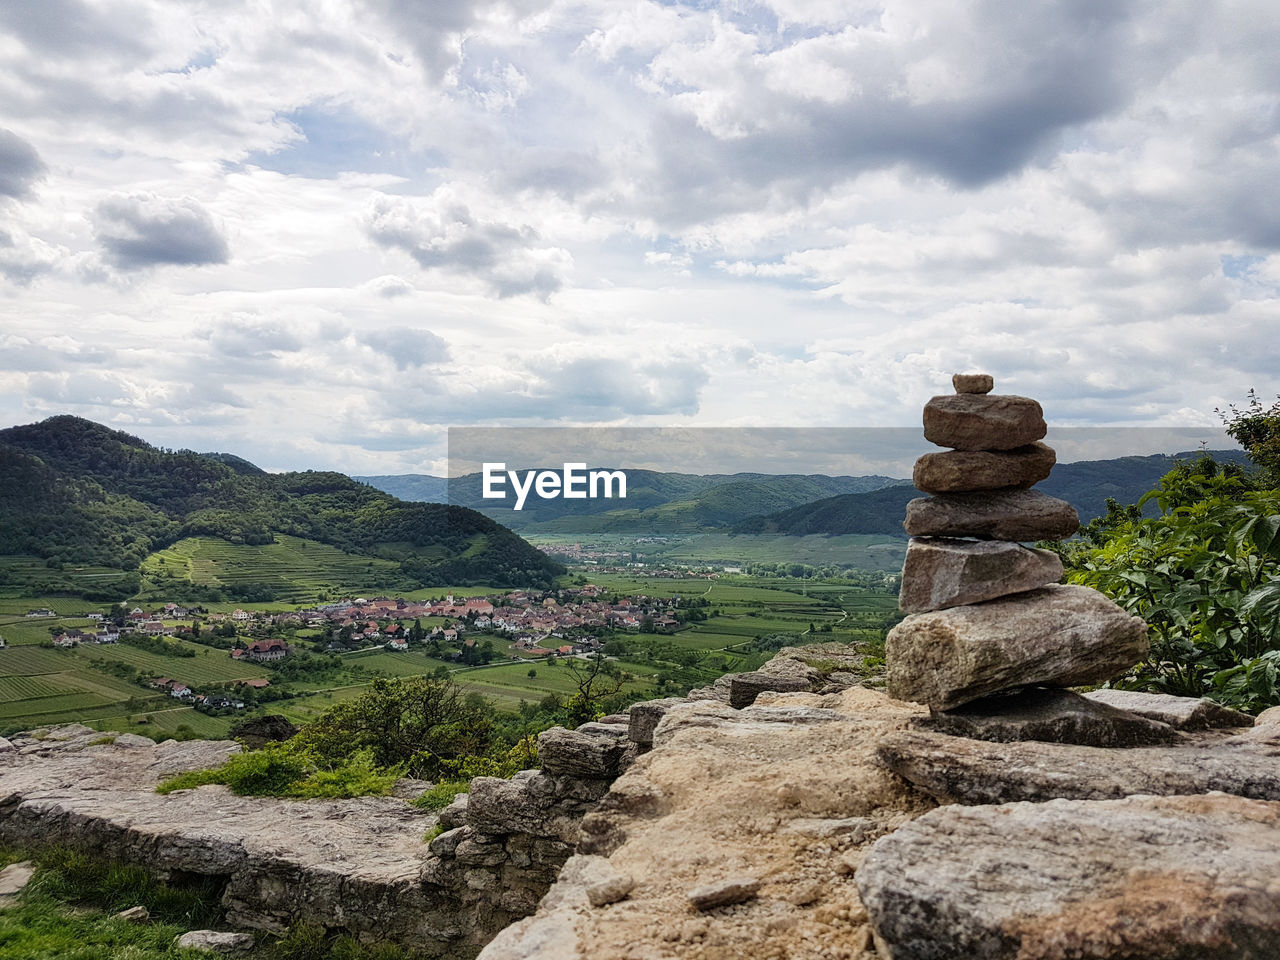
(1086, 485)
(656, 502)
(75, 492)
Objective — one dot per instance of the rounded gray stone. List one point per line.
(1024, 515)
(958, 471)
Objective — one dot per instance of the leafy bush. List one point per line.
(1204, 575)
(290, 770)
(441, 795)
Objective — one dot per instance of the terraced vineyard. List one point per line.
(293, 569)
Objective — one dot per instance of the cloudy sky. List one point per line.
(319, 233)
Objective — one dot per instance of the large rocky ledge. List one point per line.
(361, 866)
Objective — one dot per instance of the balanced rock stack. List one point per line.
(986, 612)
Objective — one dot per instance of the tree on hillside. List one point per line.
(596, 679)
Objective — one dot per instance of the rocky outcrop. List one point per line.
(1059, 635)
(362, 866)
(1144, 878)
(736, 835)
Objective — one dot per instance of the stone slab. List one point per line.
(1182, 713)
(942, 572)
(1058, 635)
(959, 471)
(971, 421)
(1023, 515)
(1050, 715)
(961, 770)
(1145, 878)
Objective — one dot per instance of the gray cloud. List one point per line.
(20, 165)
(441, 233)
(407, 346)
(250, 338)
(143, 230)
(72, 27)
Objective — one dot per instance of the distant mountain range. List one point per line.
(656, 502)
(1086, 485)
(74, 491)
(792, 505)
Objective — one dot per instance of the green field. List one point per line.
(293, 569)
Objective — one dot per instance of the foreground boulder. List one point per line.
(1057, 636)
(962, 770)
(942, 572)
(1164, 878)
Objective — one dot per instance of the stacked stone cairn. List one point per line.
(987, 616)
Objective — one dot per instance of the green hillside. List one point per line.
(1086, 485)
(75, 493)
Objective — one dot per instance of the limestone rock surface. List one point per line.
(215, 941)
(594, 755)
(1051, 715)
(943, 572)
(788, 794)
(961, 770)
(971, 421)
(998, 515)
(1058, 635)
(1145, 878)
(1182, 713)
(965, 470)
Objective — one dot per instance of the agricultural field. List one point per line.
(294, 570)
(746, 618)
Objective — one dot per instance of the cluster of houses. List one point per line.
(215, 701)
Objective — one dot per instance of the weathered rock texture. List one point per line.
(963, 470)
(970, 421)
(999, 515)
(941, 572)
(1050, 715)
(1182, 713)
(773, 803)
(962, 770)
(356, 865)
(972, 382)
(1057, 635)
(1145, 878)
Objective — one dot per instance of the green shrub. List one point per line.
(441, 795)
(287, 770)
(1204, 575)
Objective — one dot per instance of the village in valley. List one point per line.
(471, 631)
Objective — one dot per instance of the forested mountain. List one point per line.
(1086, 485)
(75, 491)
(655, 502)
